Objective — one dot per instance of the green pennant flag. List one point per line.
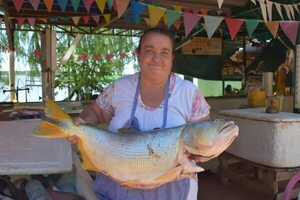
(173, 15)
(75, 4)
(251, 25)
(110, 4)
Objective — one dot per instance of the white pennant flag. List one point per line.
(263, 9)
(76, 20)
(254, 2)
(269, 8)
(292, 11)
(296, 7)
(287, 10)
(278, 7)
(220, 2)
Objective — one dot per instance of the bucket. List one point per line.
(257, 98)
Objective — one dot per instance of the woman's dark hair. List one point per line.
(160, 30)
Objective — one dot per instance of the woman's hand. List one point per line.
(73, 139)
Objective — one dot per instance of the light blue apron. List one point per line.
(107, 189)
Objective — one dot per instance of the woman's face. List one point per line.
(156, 56)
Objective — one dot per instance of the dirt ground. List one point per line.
(210, 188)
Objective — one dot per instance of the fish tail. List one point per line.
(56, 122)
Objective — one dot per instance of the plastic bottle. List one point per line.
(35, 191)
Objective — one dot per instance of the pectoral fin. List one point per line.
(86, 162)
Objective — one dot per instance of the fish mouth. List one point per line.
(226, 135)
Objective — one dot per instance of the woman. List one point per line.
(152, 98)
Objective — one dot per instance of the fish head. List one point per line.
(208, 138)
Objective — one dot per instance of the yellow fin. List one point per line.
(49, 130)
(53, 111)
(86, 162)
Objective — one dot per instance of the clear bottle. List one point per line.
(35, 191)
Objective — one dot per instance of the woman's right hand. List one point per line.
(73, 139)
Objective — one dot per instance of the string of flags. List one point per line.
(96, 56)
(171, 17)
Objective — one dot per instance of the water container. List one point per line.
(35, 191)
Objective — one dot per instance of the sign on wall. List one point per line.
(203, 46)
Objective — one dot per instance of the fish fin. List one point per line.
(173, 174)
(53, 111)
(86, 162)
(49, 130)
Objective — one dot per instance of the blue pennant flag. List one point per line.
(136, 9)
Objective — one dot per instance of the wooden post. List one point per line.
(48, 63)
(12, 88)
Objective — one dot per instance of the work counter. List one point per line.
(268, 139)
(22, 153)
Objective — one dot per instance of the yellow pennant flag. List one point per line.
(273, 27)
(155, 14)
(147, 20)
(107, 17)
(178, 8)
(101, 5)
(75, 20)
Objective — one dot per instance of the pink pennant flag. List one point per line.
(86, 19)
(97, 56)
(96, 18)
(190, 20)
(76, 20)
(31, 21)
(88, 4)
(234, 26)
(18, 4)
(109, 56)
(20, 21)
(122, 6)
(290, 29)
(34, 4)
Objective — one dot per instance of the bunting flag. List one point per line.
(155, 14)
(101, 5)
(107, 17)
(273, 27)
(190, 20)
(204, 11)
(177, 24)
(122, 6)
(136, 9)
(31, 21)
(97, 56)
(62, 4)
(18, 4)
(86, 19)
(278, 7)
(37, 53)
(123, 55)
(147, 21)
(109, 4)
(49, 4)
(251, 25)
(88, 4)
(109, 56)
(75, 20)
(287, 11)
(43, 19)
(296, 8)
(269, 9)
(96, 18)
(290, 29)
(196, 10)
(290, 7)
(20, 21)
(233, 25)
(177, 8)
(187, 9)
(211, 24)
(220, 2)
(263, 9)
(172, 16)
(34, 4)
(75, 4)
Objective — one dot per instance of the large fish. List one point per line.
(142, 159)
